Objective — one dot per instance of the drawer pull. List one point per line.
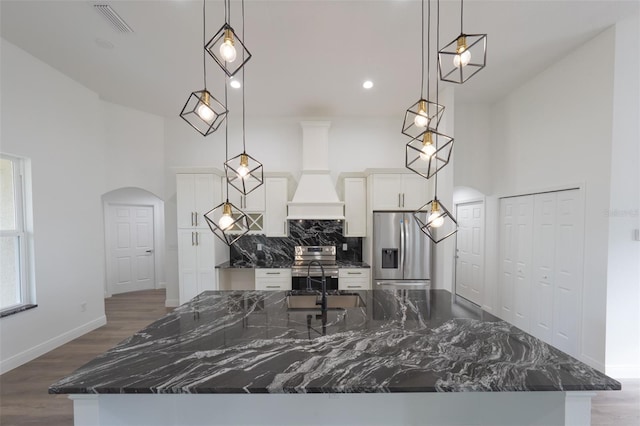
(273, 273)
(353, 286)
(273, 286)
(354, 273)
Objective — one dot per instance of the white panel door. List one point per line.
(507, 258)
(131, 248)
(567, 312)
(523, 267)
(196, 194)
(470, 251)
(544, 253)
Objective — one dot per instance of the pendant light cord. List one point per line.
(244, 145)
(435, 191)
(428, 47)
(204, 42)
(461, 14)
(227, 11)
(226, 136)
(422, 51)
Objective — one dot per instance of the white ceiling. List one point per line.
(310, 57)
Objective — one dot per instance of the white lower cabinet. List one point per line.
(196, 263)
(541, 263)
(277, 279)
(354, 279)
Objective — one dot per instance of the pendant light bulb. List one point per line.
(204, 110)
(463, 56)
(243, 169)
(436, 218)
(422, 118)
(227, 48)
(428, 149)
(226, 220)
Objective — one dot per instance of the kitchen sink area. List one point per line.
(334, 301)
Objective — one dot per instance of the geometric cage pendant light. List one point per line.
(423, 115)
(202, 111)
(435, 221)
(226, 48)
(227, 221)
(427, 154)
(433, 218)
(464, 57)
(244, 172)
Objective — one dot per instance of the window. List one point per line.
(15, 294)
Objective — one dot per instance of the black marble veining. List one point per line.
(276, 250)
(399, 341)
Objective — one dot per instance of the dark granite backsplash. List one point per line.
(301, 233)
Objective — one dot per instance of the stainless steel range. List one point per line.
(325, 255)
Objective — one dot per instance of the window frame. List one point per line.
(27, 299)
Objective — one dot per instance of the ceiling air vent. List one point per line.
(114, 19)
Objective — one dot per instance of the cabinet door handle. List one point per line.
(196, 215)
(193, 239)
(399, 205)
(192, 221)
(402, 205)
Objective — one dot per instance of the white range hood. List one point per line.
(315, 196)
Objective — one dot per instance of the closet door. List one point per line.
(507, 258)
(544, 255)
(523, 259)
(568, 271)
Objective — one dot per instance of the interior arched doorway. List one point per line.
(134, 240)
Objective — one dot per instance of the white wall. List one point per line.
(623, 275)
(134, 152)
(472, 146)
(55, 122)
(555, 130)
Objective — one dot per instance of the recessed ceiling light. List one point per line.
(235, 83)
(367, 84)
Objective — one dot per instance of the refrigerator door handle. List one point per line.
(402, 245)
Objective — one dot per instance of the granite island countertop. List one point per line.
(399, 341)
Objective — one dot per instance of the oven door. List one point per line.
(300, 282)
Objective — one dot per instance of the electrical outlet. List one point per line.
(259, 247)
(344, 247)
(83, 306)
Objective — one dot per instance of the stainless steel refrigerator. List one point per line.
(401, 252)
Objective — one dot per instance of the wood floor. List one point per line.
(23, 391)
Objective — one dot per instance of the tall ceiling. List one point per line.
(310, 57)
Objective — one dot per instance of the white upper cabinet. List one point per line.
(196, 193)
(397, 191)
(252, 202)
(355, 207)
(275, 213)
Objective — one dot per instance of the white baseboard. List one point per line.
(623, 371)
(592, 362)
(171, 303)
(41, 349)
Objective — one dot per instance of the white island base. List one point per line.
(450, 408)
